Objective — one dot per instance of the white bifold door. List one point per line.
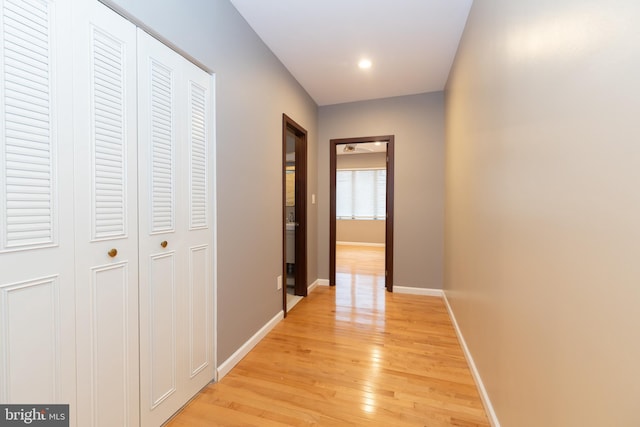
(176, 234)
(37, 314)
(106, 206)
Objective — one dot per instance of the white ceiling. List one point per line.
(411, 43)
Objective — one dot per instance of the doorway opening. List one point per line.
(368, 174)
(294, 212)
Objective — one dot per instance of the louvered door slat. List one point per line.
(30, 11)
(28, 122)
(28, 185)
(109, 149)
(162, 172)
(109, 106)
(13, 155)
(17, 59)
(20, 33)
(29, 90)
(28, 146)
(198, 151)
(35, 84)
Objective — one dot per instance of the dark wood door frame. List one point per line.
(388, 258)
(300, 208)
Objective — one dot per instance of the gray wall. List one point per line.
(543, 208)
(360, 231)
(253, 90)
(417, 121)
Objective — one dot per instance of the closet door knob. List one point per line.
(113, 252)
(164, 244)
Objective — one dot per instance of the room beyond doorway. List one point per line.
(361, 196)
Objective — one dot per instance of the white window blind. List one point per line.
(361, 194)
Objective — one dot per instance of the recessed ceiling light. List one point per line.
(364, 64)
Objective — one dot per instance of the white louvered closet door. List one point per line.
(176, 235)
(37, 356)
(197, 228)
(105, 116)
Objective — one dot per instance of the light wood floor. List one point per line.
(352, 354)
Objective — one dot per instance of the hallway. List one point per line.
(349, 355)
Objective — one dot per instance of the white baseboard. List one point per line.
(318, 282)
(491, 413)
(226, 366)
(376, 245)
(418, 291)
(312, 286)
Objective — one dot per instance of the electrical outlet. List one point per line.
(279, 282)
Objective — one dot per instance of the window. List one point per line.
(361, 194)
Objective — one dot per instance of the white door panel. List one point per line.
(176, 283)
(160, 266)
(162, 321)
(111, 385)
(198, 228)
(106, 217)
(31, 340)
(198, 310)
(37, 339)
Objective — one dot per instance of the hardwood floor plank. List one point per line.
(350, 355)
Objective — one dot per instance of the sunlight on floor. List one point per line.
(360, 284)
